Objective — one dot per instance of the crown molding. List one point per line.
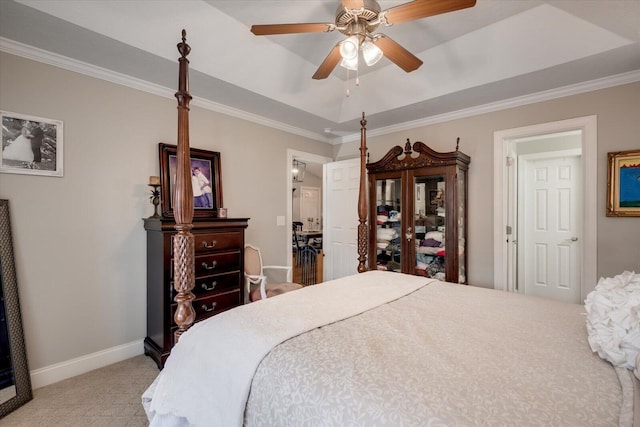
(60, 61)
(254, 118)
(575, 89)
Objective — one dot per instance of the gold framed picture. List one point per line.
(623, 183)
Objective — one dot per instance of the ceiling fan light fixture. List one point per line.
(358, 20)
(350, 64)
(371, 53)
(349, 48)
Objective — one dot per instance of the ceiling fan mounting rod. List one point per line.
(359, 14)
(367, 13)
(355, 12)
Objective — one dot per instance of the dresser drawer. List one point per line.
(205, 286)
(207, 265)
(208, 306)
(207, 242)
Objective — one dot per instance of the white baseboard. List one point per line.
(80, 365)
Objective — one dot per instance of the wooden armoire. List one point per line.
(418, 212)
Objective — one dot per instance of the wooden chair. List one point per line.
(298, 242)
(256, 276)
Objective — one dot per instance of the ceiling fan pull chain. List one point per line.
(346, 83)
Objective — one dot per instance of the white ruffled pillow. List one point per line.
(613, 319)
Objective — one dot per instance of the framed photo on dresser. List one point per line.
(205, 180)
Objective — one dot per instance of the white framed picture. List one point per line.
(31, 145)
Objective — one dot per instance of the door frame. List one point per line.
(303, 156)
(588, 127)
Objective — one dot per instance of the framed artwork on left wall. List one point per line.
(31, 145)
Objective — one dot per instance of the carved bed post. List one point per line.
(363, 234)
(183, 241)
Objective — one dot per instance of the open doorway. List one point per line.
(545, 219)
(305, 211)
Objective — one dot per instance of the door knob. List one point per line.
(574, 239)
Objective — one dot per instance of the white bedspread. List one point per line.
(446, 355)
(227, 348)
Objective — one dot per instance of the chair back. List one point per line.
(252, 261)
(307, 261)
(297, 243)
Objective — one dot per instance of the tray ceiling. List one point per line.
(493, 54)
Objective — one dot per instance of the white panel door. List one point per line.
(340, 245)
(552, 227)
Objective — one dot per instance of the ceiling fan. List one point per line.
(358, 19)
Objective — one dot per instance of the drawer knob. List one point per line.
(210, 287)
(213, 265)
(209, 309)
(209, 246)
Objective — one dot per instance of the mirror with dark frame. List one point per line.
(15, 382)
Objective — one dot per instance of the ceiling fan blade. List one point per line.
(270, 29)
(397, 54)
(353, 4)
(328, 64)
(419, 9)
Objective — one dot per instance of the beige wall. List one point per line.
(618, 115)
(79, 240)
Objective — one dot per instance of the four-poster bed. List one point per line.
(382, 348)
(195, 260)
(183, 241)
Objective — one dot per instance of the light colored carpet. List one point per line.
(109, 396)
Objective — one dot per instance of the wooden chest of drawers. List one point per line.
(219, 276)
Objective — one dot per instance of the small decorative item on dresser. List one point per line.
(222, 213)
(154, 181)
